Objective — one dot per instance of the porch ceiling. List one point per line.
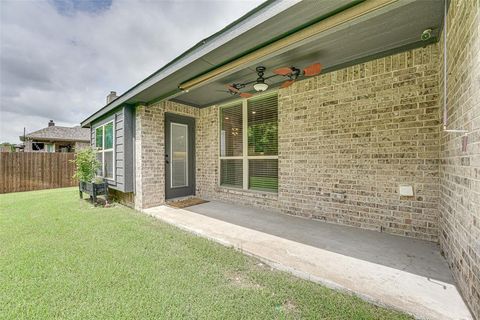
(393, 29)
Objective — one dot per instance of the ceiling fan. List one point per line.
(291, 73)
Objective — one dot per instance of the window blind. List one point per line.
(231, 172)
(231, 131)
(263, 174)
(263, 126)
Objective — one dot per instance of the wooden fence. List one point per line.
(25, 171)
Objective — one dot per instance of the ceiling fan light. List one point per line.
(260, 86)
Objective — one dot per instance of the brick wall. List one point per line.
(360, 131)
(150, 151)
(460, 171)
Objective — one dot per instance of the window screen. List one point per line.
(231, 131)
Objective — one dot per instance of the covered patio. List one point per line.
(402, 273)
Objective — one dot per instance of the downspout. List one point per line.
(445, 116)
(445, 82)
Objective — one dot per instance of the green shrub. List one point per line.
(87, 165)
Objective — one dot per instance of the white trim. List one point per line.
(245, 143)
(262, 157)
(103, 150)
(171, 154)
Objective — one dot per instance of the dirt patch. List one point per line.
(179, 204)
(290, 308)
(239, 280)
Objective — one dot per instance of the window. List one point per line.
(179, 154)
(249, 144)
(104, 141)
(38, 146)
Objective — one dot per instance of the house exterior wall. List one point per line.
(361, 131)
(81, 145)
(150, 151)
(75, 145)
(28, 146)
(459, 170)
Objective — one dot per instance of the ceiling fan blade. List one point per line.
(312, 70)
(246, 95)
(232, 88)
(285, 71)
(287, 83)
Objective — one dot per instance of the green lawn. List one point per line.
(62, 258)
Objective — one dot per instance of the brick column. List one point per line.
(149, 157)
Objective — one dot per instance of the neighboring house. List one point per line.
(362, 144)
(56, 139)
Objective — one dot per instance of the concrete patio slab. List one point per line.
(402, 273)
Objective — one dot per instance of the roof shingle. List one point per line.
(60, 134)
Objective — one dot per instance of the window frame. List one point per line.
(244, 157)
(103, 150)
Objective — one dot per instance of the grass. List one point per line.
(62, 258)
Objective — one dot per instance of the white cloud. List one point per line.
(60, 64)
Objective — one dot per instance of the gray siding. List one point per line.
(129, 145)
(123, 147)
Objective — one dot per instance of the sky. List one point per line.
(60, 58)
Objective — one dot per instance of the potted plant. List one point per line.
(86, 174)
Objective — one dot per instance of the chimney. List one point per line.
(112, 96)
(51, 123)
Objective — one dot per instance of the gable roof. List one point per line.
(57, 133)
